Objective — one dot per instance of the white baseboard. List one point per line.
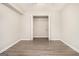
(25, 39)
(77, 50)
(31, 39)
(9, 46)
(55, 39)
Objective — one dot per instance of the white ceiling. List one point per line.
(40, 6)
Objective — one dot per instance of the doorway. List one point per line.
(40, 27)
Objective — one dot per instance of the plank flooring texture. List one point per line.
(40, 47)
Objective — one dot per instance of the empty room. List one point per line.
(39, 29)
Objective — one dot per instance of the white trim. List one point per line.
(32, 25)
(49, 22)
(55, 39)
(41, 36)
(9, 46)
(24, 39)
(77, 50)
(45, 37)
(13, 7)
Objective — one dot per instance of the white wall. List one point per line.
(9, 26)
(55, 28)
(70, 25)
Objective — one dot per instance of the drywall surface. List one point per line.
(9, 26)
(27, 24)
(70, 25)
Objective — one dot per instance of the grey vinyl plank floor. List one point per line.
(40, 47)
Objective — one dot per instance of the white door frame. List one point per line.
(32, 25)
